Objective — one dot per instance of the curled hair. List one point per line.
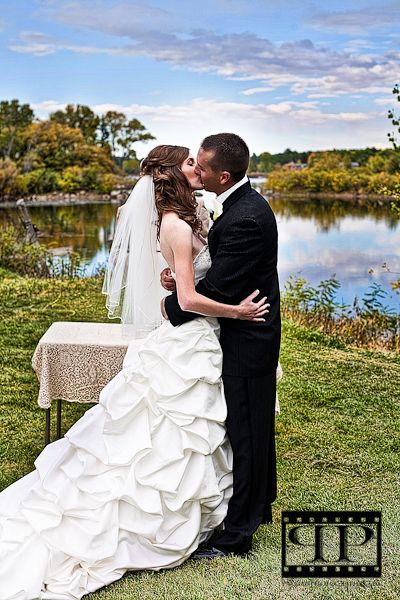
(172, 189)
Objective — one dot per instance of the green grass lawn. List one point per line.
(337, 445)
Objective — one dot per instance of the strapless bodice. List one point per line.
(201, 264)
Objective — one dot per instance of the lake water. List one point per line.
(317, 239)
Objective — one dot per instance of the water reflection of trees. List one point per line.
(328, 213)
(85, 227)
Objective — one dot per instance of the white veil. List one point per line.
(132, 279)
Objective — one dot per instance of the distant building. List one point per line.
(296, 166)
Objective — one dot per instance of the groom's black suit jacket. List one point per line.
(243, 246)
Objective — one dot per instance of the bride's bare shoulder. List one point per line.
(171, 224)
(175, 236)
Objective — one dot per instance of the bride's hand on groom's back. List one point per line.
(248, 310)
(167, 281)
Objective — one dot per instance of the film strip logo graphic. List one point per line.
(331, 544)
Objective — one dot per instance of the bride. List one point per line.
(145, 475)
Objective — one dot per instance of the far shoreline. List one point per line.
(351, 197)
(81, 198)
(119, 196)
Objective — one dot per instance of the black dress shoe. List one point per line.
(207, 553)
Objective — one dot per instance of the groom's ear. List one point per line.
(225, 177)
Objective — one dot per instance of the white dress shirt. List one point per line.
(222, 197)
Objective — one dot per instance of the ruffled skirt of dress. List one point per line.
(137, 483)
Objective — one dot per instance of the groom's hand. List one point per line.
(167, 281)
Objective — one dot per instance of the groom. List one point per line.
(243, 248)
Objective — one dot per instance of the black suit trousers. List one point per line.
(250, 426)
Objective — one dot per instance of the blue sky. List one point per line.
(290, 73)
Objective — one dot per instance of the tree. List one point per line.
(289, 156)
(120, 134)
(376, 164)
(55, 146)
(329, 161)
(387, 161)
(112, 124)
(8, 173)
(134, 131)
(58, 158)
(265, 163)
(14, 117)
(131, 166)
(395, 193)
(253, 163)
(395, 119)
(80, 117)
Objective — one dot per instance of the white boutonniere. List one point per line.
(217, 209)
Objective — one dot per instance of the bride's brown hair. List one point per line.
(172, 189)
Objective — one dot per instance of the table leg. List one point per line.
(47, 429)
(58, 419)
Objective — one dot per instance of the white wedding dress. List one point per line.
(137, 483)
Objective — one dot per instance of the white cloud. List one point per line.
(362, 44)
(40, 44)
(271, 127)
(122, 19)
(385, 101)
(300, 65)
(307, 113)
(47, 106)
(357, 21)
(296, 110)
(257, 90)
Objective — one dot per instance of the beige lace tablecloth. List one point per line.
(74, 361)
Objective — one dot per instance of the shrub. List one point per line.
(369, 323)
(107, 183)
(131, 166)
(21, 256)
(329, 173)
(70, 180)
(39, 181)
(71, 265)
(378, 181)
(35, 260)
(8, 173)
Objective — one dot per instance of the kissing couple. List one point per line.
(178, 457)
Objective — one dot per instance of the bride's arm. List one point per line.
(179, 238)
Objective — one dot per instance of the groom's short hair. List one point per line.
(231, 154)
